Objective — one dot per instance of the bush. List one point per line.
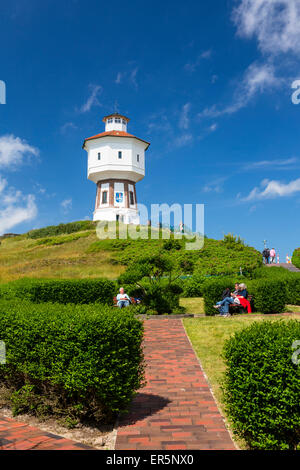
(64, 291)
(212, 290)
(269, 295)
(296, 258)
(84, 361)
(291, 280)
(193, 287)
(60, 229)
(262, 385)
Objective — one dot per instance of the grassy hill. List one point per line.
(74, 251)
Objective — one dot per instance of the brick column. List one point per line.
(111, 194)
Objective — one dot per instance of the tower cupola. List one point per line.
(116, 122)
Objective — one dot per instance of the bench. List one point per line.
(132, 300)
(236, 308)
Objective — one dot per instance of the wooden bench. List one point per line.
(237, 308)
(132, 300)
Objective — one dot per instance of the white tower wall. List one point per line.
(116, 161)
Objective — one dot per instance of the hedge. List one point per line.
(77, 291)
(85, 360)
(262, 385)
(269, 295)
(212, 292)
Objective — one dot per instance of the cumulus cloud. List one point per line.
(274, 189)
(15, 208)
(13, 151)
(257, 79)
(95, 91)
(274, 23)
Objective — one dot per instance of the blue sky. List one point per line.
(209, 84)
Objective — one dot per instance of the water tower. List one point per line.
(116, 162)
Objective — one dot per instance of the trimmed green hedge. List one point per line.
(262, 385)
(269, 295)
(64, 291)
(212, 293)
(83, 361)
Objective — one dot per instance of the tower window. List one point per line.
(99, 156)
(120, 155)
(110, 120)
(117, 120)
(131, 198)
(104, 197)
(124, 122)
(137, 158)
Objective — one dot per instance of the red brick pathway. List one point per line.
(176, 409)
(20, 436)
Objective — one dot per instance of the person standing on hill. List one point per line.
(272, 256)
(266, 255)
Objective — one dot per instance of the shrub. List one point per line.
(296, 258)
(85, 361)
(77, 291)
(193, 287)
(212, 290)
(155, 276)
(262, 385)
(269, 295)
(60, 229)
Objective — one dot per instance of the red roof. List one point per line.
(115, 134)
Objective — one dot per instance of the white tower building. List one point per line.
(116, 162)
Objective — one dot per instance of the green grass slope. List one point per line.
(74, 251)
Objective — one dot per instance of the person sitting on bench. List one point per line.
(123, 300)
(238, 297)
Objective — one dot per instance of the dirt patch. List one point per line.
(100, 437)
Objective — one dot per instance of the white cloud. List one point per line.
(215, 186)
(184, 116)
(183, 140)
(67, 126)
(272, 163)
(258, 78)
(13, 150)
(213, 127)
(274, 23)
(273, 189)
(66, 205)
(15, 208)
(119, 78)
(133, 76)
(191, 66)
(95, 91)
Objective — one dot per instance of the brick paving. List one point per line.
(15, 435)
(176, 409)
